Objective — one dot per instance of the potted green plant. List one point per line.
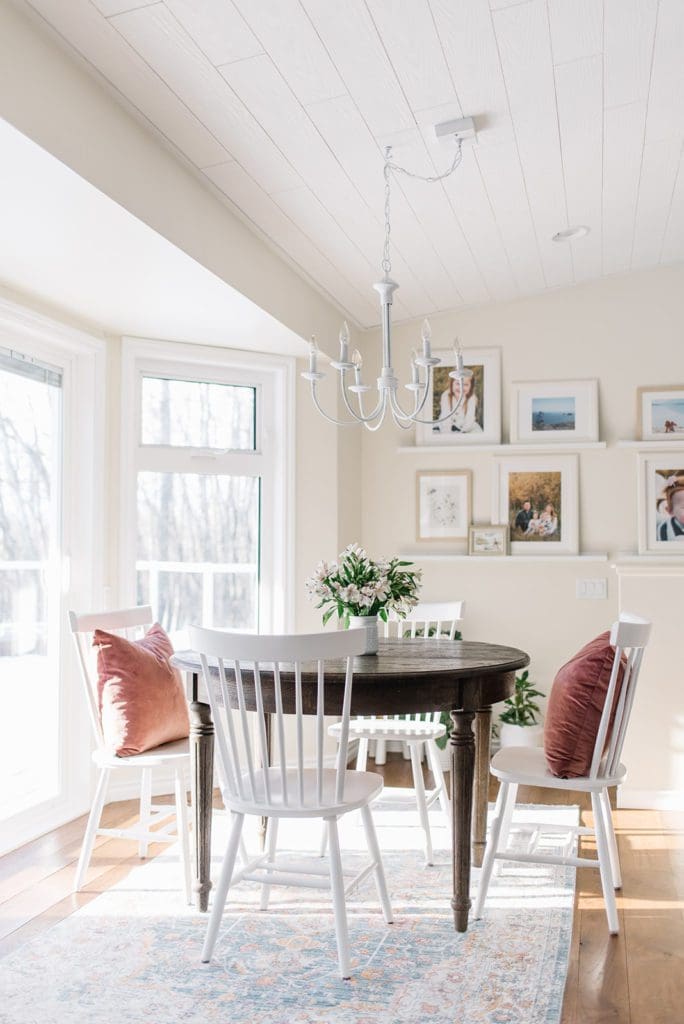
(519, 721)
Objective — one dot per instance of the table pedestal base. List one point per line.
(201, 789)
(462, 746)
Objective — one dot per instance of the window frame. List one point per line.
(272, 459)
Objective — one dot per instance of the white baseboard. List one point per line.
(650, 799)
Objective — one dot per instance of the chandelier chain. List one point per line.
(391, 166)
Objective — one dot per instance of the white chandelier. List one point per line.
(422, 363)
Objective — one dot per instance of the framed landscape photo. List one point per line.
(488, 539)
(554, 412)
(536, 496)
(443, 504)
(478, 418)
(661, 504)
(660, 413)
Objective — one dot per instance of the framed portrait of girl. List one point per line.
(476, 419)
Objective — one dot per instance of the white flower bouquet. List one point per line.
(355, 585)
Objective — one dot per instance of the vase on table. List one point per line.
(370, 624)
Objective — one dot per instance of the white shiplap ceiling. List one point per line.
(285, 107)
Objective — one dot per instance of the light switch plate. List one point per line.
(591, 590)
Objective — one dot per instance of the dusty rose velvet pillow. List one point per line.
(141, 698)
(574, 708)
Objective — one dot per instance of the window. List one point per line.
(206, 512)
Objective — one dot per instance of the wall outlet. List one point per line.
(592, 590)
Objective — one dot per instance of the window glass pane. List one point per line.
(193, 414)
(198, 549)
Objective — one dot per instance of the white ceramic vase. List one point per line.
(520, 735)
(370, 624)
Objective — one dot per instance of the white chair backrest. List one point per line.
(240, 655)
(444, 617)
(629, 637)
(127, 622)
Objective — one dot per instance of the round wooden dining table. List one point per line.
(406, 676)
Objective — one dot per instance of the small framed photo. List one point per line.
(554, 411)
(661, 504)
(443, 504)
(537, 498)
(660, 413)
(488, 539)
(477, 420)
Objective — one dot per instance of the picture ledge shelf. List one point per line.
(430, 449)
(433, 556)
(649, 446)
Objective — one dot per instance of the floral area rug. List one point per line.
(133, 954)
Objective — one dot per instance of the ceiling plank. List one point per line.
(673, 243)
(217, 27)
(629, 28)
(659, 171)
(98, 42)
(166, 46)
(110, 7)
(622, 154)
(576, 29)
(579, 94)
(524, 45)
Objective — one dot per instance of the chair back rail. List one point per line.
(629, 636)
(242, 743)
(126, 622)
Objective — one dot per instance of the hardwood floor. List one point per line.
(636, 977)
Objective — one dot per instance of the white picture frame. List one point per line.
(549, 485)
(473, 424)
(443, 504)
(654, 473)
(554, 412)
(488, 540)
(660, 413)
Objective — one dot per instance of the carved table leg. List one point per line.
(202, 784)
(483, 721)
(462, 745)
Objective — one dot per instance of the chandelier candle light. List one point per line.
(387, 382)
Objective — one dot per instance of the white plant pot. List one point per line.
(520, 735)
(370, 624)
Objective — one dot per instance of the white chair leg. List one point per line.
(379, 871)
(339, 908)
(380, 752)
(406, 751)
(512, 790)
(182, 830)
(145, 809)
(271, 845)
(612, 841)
(362, 755)
(222, 888)
(440, 781)
(491, 849)
(91, 828)
(419, 787)
(603, 849)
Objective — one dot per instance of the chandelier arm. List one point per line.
(331, 419)
(442, 419)
(399, 415)
(360, 416)
(382, 405)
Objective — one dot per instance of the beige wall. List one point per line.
(625, 331)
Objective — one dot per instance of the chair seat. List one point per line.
(527, 766)
(167, 753)
(359, 789)
(401, 729)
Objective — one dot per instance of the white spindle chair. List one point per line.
(288, 789)
(418, 732)
(514, 766)
(129, 623)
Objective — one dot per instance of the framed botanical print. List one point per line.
(554, 412)
(477, 419)
(443, 504)
(660, 413)
(661, 504)
(537, 497)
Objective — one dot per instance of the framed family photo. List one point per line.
(554, 411)
(443, 504)
(661, 504)
(537, 498)
(660, 413)
(488, 539)
(477, 420)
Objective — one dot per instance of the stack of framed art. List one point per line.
(660, 418)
